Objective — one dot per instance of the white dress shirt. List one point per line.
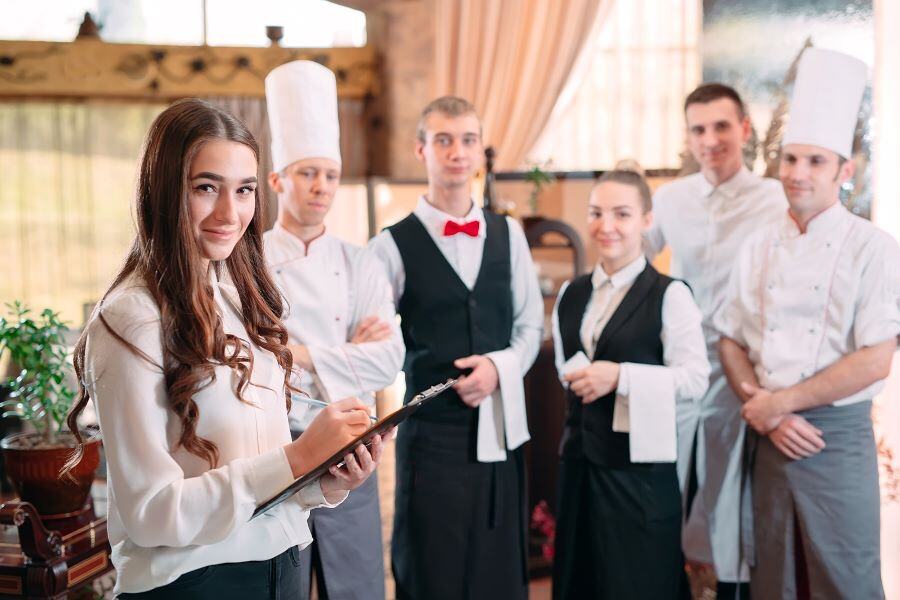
(502, 420)
(705, 226)
(644, 390)
(330, 286)
(169, 513)
(799, 302)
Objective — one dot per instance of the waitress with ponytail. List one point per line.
(630, 349)
(186, 363)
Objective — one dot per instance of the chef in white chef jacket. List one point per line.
(704, 218)
(341, 322)
(810, 325)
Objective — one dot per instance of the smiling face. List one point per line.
(306, 190)
(716, 135)
(616, 223)
(451, 150)
(222, 196)
(812, 177)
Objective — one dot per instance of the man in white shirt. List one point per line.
(341, 321)
(703, 218)
(470, 305)
(809, 329)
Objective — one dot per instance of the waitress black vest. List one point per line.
(442, 320)
(631, 335)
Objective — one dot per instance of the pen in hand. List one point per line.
(320, 404)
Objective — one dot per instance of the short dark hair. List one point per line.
(451, 106)
(632, 178)
(708, 92)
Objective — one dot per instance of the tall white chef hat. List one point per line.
(825, 103)
(301, 97)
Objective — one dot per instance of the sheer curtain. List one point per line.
(511, 59)
(68, 171)
(624, 99)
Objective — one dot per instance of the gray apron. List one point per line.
(347, 541)
(711, 531)
(835, 499)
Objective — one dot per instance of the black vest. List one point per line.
(442, 320)
(631, 335)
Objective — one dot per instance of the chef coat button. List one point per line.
(828, 244)
(337, 318)
(816, 288)
(812, 329)
(770, 286)
(771, 329)
(278, 272)
(769, 373)
(337, 273)
(803, 374)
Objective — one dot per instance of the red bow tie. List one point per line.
(470, 228)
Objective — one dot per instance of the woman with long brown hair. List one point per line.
(186, 363)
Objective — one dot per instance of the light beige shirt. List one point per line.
(169, 513)
(799, 302)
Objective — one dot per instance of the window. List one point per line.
(624, 99)
(306, 23)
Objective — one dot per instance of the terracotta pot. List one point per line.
(35, 474)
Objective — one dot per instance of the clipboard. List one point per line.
(337, 458)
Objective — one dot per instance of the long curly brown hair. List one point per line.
(166, 257)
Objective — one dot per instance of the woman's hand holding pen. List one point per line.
(358, 466)
(334, 427)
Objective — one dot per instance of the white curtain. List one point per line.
(624, 99)
(886, 214)
(511, 59)
(69, 172)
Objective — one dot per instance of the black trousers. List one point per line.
(459, 525)
(618, 533)
(274, 579)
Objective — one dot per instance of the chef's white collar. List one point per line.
(821, 224)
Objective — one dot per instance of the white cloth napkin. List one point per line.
(502, 420)
(647, 413)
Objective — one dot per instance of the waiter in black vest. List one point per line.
(469, 303)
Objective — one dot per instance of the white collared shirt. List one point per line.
(705, 226)
(169, 513)
(329, 287)
(464, 254)
(799, 302)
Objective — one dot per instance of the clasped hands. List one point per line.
(594, 381)
(766, 412)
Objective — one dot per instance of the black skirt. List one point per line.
(618, 532)
(275, 579)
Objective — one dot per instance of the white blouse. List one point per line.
(169, 513)
(799, 302)
(330, 286)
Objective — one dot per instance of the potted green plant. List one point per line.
(538, 178)
(38, 394)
